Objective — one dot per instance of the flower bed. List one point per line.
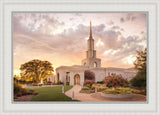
(88, 83)
(99, 87)
(121, 92)
(118, 91)
(115, 81)
(87, 91)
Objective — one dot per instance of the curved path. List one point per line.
(97, 96)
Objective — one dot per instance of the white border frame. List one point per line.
(8, 6)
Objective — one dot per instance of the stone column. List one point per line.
(81, 78)
(71, 78)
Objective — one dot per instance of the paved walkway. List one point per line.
(96, 97)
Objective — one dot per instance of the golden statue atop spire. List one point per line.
(90, 24)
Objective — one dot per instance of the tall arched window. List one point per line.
(58, 77)
(85, 64)
(95, 64)
(67, 77)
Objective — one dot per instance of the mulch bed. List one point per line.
(24, 98)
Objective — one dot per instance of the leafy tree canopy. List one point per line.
(35, 69)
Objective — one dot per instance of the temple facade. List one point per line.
(74, 75)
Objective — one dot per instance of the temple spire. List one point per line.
(90, 30)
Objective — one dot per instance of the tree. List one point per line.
(35, 70)
(141, 65)
(15, 77)
(141, 61)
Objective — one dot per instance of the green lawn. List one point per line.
(52, 94)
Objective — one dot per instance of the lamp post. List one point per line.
(73, 95)
(62, 88)
(95, 89)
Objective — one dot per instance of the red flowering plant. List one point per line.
(88, 83)
(89, 75)
(115, 81)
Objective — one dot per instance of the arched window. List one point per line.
(95, 64)
(57, 76)
(67, 77)
(85, 64)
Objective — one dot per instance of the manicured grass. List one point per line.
(52, 94)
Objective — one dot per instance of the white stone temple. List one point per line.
(75, 74)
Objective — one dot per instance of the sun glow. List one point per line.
(131, 59)
(17, 72)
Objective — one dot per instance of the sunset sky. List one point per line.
(61, 38)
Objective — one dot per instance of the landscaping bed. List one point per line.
(19, 91)
(116, 96)
(122, 90)
(91, 89)
(87, 90)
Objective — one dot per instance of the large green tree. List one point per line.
(35, 69)
(141, 65)
(141, 61)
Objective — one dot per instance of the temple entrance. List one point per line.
(77, 79)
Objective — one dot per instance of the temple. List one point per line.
(74, 75)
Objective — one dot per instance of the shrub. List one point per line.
(139, 80)
(17, 88)
(34, 84)
(88, 83)
(115, 81)
(49, 82)
(18, 91)
(118, 91)
(59, 83)
(85, 88)
(143, 92)
(24, 91)
(35, 93)
(99, 87)
(31, 92)
(19, 94)
(67, 83)
(89, 75)
(121, 90)
(100, 82)
(87, 91)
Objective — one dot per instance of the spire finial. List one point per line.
(90, 30)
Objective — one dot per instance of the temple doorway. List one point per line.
(77, 79)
